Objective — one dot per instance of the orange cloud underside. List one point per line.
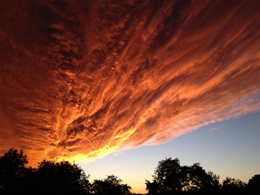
(79, 80)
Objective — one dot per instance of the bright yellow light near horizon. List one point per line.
(113, 145)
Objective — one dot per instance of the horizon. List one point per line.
(114, 163)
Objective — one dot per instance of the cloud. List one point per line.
(80, 80)
(214, 129)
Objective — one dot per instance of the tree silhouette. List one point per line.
(168, 175)
(100, 187)
(111, 185)
(61, 178)
(172, 178)
(233, 186)
(152, 187)
(13, 172)
(197, 179)
(51, 177)
(254, 185)
(125, 189)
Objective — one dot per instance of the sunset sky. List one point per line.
(117, 86)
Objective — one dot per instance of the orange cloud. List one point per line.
(80, 80)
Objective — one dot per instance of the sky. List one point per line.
(229, 148)
(102, 82)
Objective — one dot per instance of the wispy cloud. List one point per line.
(214, 129)
(79, 80)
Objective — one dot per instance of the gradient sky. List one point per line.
(84, 79)
(229, 148)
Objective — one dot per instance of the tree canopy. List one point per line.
(13, 171)
(111, 185)
(61, 177)
(170, 177)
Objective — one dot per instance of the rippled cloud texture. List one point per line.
(80, 79)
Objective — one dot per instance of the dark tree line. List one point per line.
(172, 178)
(52, 177)
(59, 178)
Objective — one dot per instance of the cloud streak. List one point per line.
(81, 79)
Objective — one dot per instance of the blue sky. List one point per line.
(228, 148)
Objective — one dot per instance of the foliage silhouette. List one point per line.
(13, 172)
(169, 176)
(111, 185)
(152, 187)
(172, 178)
(253, 186)
(233, 186)
(60, 178)
(197, 179)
